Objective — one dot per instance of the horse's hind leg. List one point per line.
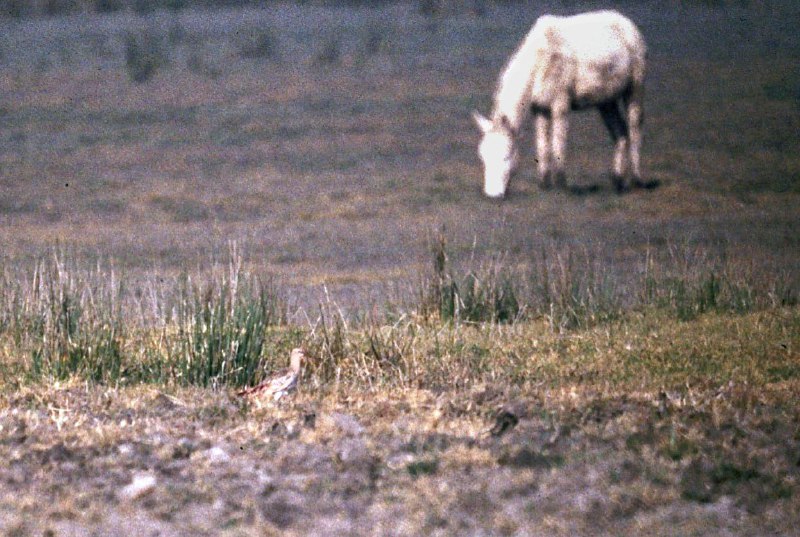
(560, 125)
(542, 121)
(634, 101)
(615, 123)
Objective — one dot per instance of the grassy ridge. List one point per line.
(459, 327)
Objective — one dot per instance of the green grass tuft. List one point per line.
(488, 323)
(145, 53)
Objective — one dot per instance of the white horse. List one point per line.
(567, 63)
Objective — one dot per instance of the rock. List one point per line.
(216, 455)
(184, 448)
(141, 485)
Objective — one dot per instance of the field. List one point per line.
(185, 195)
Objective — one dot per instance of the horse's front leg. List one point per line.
(542, 121)
(559, 128)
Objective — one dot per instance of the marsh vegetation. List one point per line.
(187, 193)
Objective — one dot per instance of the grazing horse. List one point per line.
(594, 59)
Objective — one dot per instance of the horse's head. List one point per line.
(498, 151)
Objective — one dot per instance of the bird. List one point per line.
(281, 383)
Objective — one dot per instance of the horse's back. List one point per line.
(591, 35)
(604, 50)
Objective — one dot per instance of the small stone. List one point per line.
(216, 455)
(141, 485)
(185, 447)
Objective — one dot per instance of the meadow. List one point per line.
(186, 194)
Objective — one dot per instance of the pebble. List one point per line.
(216, 455)
(141, 485)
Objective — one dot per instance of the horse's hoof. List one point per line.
(546, 183)
(646, 185)
(619, 184)
(561, 180)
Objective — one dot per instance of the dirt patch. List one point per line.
(200, 462)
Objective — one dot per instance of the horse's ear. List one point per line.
(484, 124)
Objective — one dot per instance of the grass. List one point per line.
(145, 53)
(485, 324)
(647, 414)
(329, 52)
(196, 146)
(87, 324)
(225, 331)
(260, 44)
(484, 295)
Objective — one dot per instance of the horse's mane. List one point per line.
(513, 96)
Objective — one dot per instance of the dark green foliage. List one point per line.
(230, 328)
(474, 299)
(678, 447)
(785, 293)
(69, 330)
(107, 6)
(224, 330)
(260, 44)
(145, 53)
(485, 295)
(430, 8)
(704, 482)
(331, 346)
(181, 209)
(571, 291)
(13, 9)
(374, 41)
(689, 298)
(143, 7)
(422, 467)
(329, 52)
(82, 323)
(575, 291)
(525, 457)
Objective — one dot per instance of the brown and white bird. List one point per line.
(281, 383)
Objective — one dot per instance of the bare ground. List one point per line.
(483, 462)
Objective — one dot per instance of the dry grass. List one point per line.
(417, 425)
(644, 422)
(612, 430)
